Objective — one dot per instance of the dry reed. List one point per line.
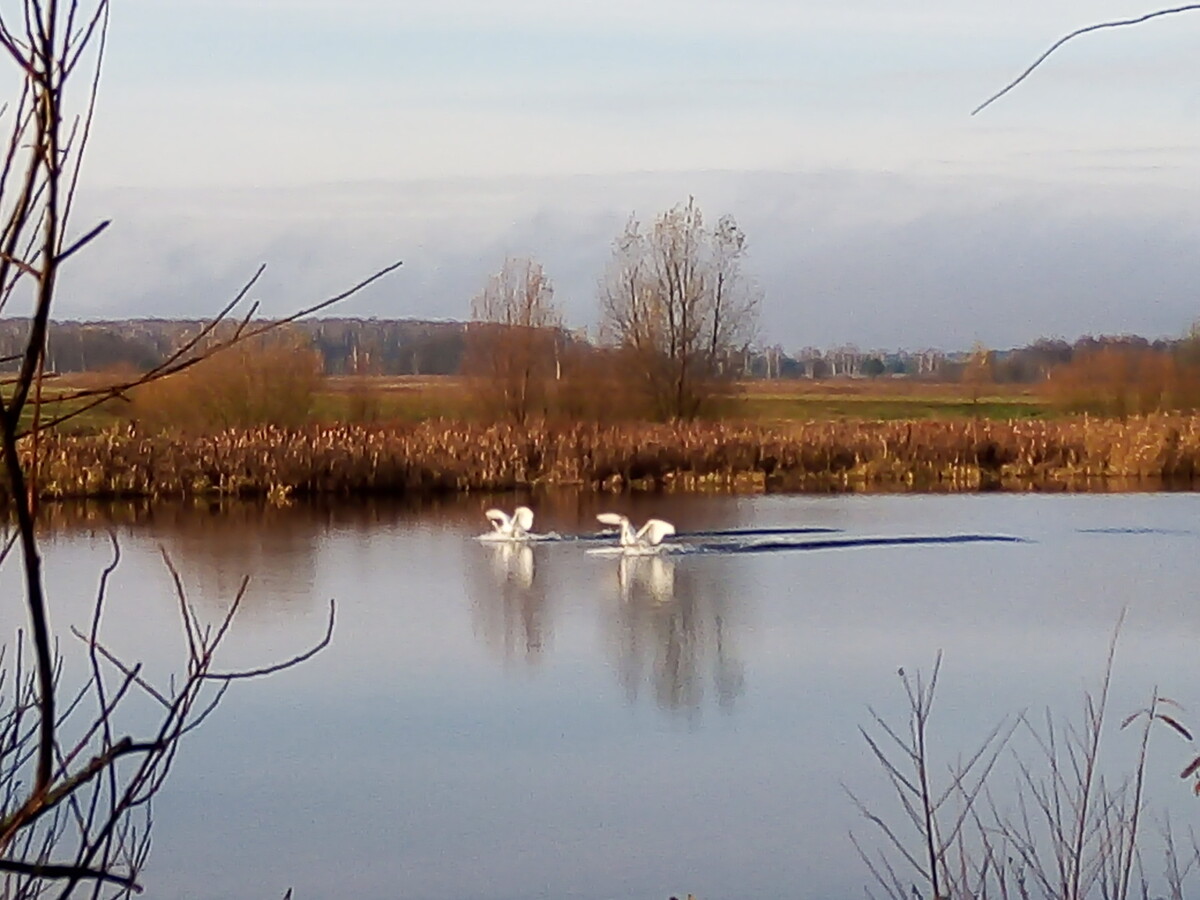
(440, 456)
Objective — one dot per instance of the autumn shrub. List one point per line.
(270, 380)
(513, 369)
(1125, 381)
(598, 385)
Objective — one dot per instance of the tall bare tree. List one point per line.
(75, 791)
(514, 342)
(675, 299)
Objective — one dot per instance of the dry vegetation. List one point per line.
(270, 380)
(1122, 381)
(440, 456)
(260, 421)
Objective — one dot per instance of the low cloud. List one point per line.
(842, 257)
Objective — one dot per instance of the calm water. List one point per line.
(549, 723)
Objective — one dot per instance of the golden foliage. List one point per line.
(1124, 381)
(271, 380)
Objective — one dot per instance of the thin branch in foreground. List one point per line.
(184, 358)
(287, 664)
(1117, 23)
(48, 870)
(124, 669)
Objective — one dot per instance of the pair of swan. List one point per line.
(519, 525)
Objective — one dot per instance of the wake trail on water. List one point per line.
(608, 535)
(674, 548)
(494, 538)
(1136, 531)
(845, 543)
(754, 532)
(762, 540)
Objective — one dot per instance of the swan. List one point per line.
(647, 539)
(514, 528)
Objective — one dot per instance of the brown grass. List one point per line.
(440, 456)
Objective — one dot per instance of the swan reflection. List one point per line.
(649, 578)
(509, 601)
(512, 564)
(671, 629)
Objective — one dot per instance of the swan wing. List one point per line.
(654, 531)
(627, 536)
(499, 519)
(522, 519)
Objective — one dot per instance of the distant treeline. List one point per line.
(347, 346)
(424, 347)
(1031, 364)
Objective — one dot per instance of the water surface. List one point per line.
(497, 723)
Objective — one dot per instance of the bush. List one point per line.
(1125, 381)
(271, 380)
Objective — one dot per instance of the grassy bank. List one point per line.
(438, 456)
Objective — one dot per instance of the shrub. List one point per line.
(271, 380)
(1125, 381)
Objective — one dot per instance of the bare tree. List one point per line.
(75, 792)
(1078, 32)
(515, 338)
(676, 301)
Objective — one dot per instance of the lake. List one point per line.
(498, 723)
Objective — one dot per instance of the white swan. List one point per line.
(515, 528)
(647, 539)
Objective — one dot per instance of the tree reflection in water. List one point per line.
(215, 549)
(671, 628)
(510, 609)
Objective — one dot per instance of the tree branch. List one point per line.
(1117, 23)
(287, 664)
(49, 870)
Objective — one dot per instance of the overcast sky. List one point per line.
(328, 137)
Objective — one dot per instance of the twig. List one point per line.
(1117, 23)
(279, 667)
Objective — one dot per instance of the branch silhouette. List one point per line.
(1116, 23)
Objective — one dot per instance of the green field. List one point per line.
(414, 399)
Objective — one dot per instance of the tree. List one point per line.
(977, 372)
(75, 791)
(513, 344)
(676, 302)
(873, 367)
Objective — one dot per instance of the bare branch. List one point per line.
(48, 870)
(279, 667)
(1116, 23)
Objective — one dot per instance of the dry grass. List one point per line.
(440, 456)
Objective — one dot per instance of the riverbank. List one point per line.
(439, 457)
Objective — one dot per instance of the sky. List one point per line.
(328, 138)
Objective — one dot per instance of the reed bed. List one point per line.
(440, 457)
